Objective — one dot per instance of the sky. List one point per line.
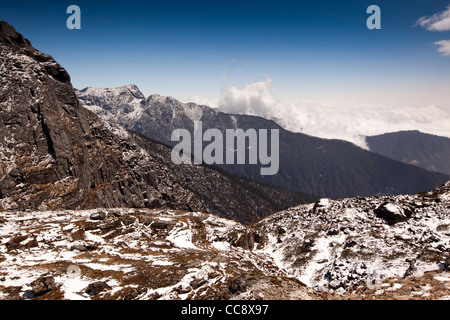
(313, 65)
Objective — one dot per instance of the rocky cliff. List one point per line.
(56, 154)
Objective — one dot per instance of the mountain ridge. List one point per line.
(431, 152)
(327, 168)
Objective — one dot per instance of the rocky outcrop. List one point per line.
(42, 285)
(56, 154)
(96, 287)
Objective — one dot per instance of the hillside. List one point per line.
(222, 193)
(427, 151)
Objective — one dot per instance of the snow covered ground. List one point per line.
(136, 254)
(343, 245)
(360, 248)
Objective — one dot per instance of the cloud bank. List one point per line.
(332, 119)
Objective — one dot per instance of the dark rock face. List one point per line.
(56, 154)
(9, 35)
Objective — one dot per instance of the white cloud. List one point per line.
(333, 119)
(254, 99)
(444, 47)
(437, 22)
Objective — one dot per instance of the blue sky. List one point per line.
(185, 48)
(318, 49)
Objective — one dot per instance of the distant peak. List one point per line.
(134, 90)
(155, 96)
(130, 86)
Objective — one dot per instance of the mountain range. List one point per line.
(326, 168)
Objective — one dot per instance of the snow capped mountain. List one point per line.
(104, 103)
(155, 116)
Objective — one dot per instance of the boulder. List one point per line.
(15, 242)
(96, 287)
(98, 216)
(238, 284)
(42, 285)
(393, 213)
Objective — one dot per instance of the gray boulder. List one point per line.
(42, 285)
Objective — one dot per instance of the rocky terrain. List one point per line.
(136, 254)
(353, 244)
(356, 248)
